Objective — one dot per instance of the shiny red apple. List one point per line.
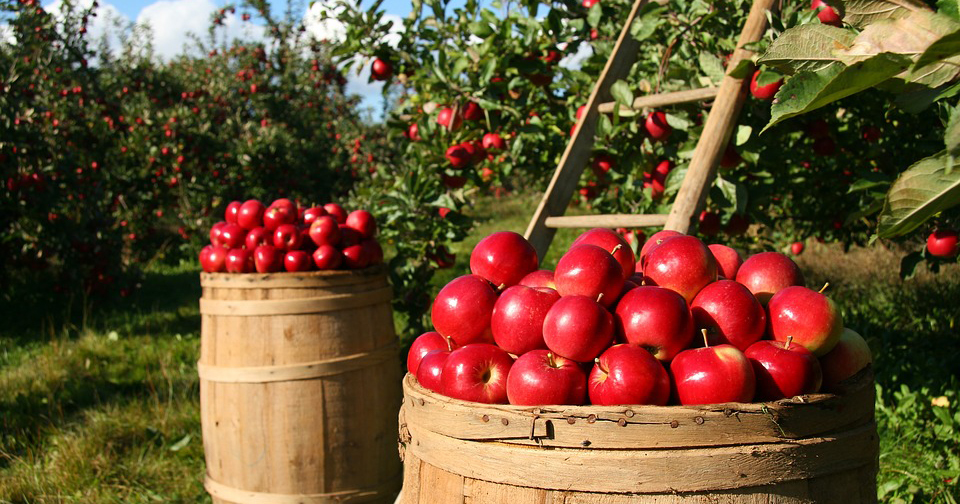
(364, 222)
(503, 258)
(325, 231)
(728, 260)
(578, 328)
(297, 261)
(476, 372)
(713, 375)
(656, 319)
(463, 309)
(424, 344)
(337, 212)
(267, 259)
(518, 315)
(848, 357)
(943, 243)
(612, 242)
(287, 237)
(681, 263)
(539, 377)
(783, 370)
(239, 260)
(430, 370)
(767, 273)
(356, 257)
(539, 278)
(232, 236)
(276, 216)
(311, 214)
(250, 214)
(809, 317)
(730, 314)
(256, 237)
(327, 257)
(655, 241)
(588, 270)
(628, 374)
(233, 209)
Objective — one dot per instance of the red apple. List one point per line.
(578, 328)
(713, 375)
(493, 142)
(233, 209)
(349, 237)
(311, 214)
(612, 242)
(458, 156)
(539, 278)
(827, 15)
(250, 214)
(796, 248)
(216, 234)
(447, 119)
(681, 263)
(517, 320)
(601, 165)
(476, 372)
(239, 260)
(337, 212)
(327, 257)
(424, 344)
(588, 270)
(767, 273)
(256, 237)
(709, 223)
(277, 216)
(765, 93)
(473, 112)
(287, 237)
(232, 236)
(628, 374)
(656, 319)
(297, 261)
(373, 250)
(539, 377)
(655, 240)
(325, 231)
(364, 222)
(848, 357)
(783, 370)
(356, 257)
(503, 258)
(267, 259)
(809, 317)
(413, 132)
(943, 243)
(430, 370)
(463, 308)
(381, 70)
(728, 260)
(730, 314)
(657, 127)
(213, 259)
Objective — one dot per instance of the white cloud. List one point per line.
(575, 61)
(172, 20)
(107, 22)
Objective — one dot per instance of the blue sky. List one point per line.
(132, 8)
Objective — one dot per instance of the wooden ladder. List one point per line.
(728, 100)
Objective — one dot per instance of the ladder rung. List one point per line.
(665, 99)
(606, 221)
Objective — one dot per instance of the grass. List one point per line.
(107, 410)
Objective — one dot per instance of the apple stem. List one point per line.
(501, 287)
(824, 287)
(706, 343)
(615, 249)
(596, 360)
(551, 360)
(449, 343)
(599, 297)
(789, 340)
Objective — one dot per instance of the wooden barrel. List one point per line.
(299, 387)
(819, 448)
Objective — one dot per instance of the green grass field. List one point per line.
(104, 407)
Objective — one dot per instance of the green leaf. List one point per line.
(865, 184)
(808, 47)
(620, 91)
(909, 263)
(482, 30)
(860, 13)
(922, 191)
(949, 7)
(182, 443)
(809, 91)
(951, 137)
(743, 134)
(646, 23)
(945, 47)
(711, 66)
(742, 70)
(594, 15)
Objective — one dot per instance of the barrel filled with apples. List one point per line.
(677, 373)
(298, 358)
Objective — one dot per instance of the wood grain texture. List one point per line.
(718, 127)
(820, 448)
(578, 151)
(664, 99)
(326, 435)
(606, 221)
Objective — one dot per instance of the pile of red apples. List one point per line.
(685, 323)
(285, 237)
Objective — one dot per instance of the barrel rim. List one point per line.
(307, 278)
(856, 383)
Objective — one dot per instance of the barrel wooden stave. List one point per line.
(827, 453)
(300, 437)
